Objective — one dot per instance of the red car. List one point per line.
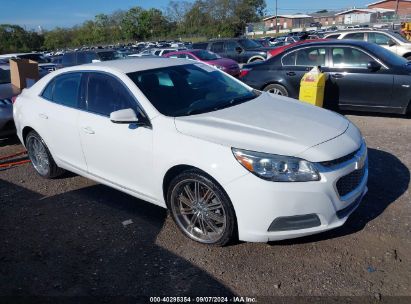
(281, 49)
(227, 65)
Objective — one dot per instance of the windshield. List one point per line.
(190, 89)
(249, 44)
(4, 76)
(206, 55)
(399, 37)
(386, 55)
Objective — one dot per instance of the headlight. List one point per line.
(277, 168)
(218, 67)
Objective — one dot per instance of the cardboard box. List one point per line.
(23, 72)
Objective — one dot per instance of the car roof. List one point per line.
(349, 42)
(132, 65)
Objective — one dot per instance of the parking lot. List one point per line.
(66, 237)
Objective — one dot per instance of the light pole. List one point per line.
(276, 16)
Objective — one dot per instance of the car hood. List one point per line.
(268, 123)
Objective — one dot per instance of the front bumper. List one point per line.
(258, 202)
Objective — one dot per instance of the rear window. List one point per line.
(86, 57)
(69, 59)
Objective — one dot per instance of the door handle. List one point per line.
(290, 73)
(337, 75)
(88, 130)
(44, 116)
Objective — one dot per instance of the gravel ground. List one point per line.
(65, 237)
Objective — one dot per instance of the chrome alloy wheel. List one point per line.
(198, 211)
(38, 155)
(275, 91)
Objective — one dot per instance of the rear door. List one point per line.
(355, 84)
(58, 118)
(298, 62)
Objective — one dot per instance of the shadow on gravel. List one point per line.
(75, 244)
(388, 179)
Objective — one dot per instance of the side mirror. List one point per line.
(238, 49)
(126, 116)
(391, 43)
(373, 66)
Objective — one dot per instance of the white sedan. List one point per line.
(227, 161)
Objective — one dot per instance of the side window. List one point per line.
(346, 57)
(334, 36)
(378, 38)
(66, 89)
(48, 91)
(217, 47)
(289, 59)
(230, 46)
(354, 36)
(190, 57)
(106, 94)
(310, 57)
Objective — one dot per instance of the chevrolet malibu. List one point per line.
(229, 162)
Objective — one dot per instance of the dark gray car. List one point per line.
(241, 50)
(7, 92)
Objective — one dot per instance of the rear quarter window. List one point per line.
(66, 89)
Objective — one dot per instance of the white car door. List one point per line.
(118, 153)
(58, 119)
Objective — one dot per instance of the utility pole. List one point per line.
(396, 7)
(276, 16)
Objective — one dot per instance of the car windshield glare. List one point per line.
(206, 55)
(190, 89)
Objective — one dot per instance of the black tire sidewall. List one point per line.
(230, 233)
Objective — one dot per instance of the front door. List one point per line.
(118, 153)
(356, 84)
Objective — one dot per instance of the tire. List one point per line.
(40, 156)
(208, 220)
(408, 57)
(276, 89)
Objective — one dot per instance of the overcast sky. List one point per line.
(51, 13)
